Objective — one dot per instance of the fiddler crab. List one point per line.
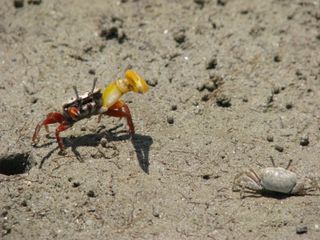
(95, 102)
(273, 179)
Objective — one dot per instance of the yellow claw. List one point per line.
(138, 84)
(132, 82)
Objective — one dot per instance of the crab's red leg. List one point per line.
(120, 109)
(53, 117)
(59, 129)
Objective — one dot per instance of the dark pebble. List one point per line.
(200, 2)
(278, 148)
(205, 98)
(277, 58)
(289, 106)
(170, 120)
(76, 184)
(206, 177)
(179, 37)
(212, 64)
(221, 2)
(270, 138)
(301, 229)
(276, 90)
(34, 100)
(91, 194)
(223, 101)
(35, 2)
(92, 71)
(174, 107)
(304, 141)
(18, 3)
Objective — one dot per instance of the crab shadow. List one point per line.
(275, 195)
(141, 144)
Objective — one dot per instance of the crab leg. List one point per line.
(53, 117)
(120, 109)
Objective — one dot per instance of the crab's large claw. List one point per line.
(137, 83)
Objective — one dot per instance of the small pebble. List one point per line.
(18, 3)
(75, 184)
(270, 138)
(276, 90)
(179, 37)
(92, 71)
(212, 64)
(277, 58)
(288, 106)
(103, 142)
(91, 194)
(205, 98)
(317, 227)
(304, 141)
(278, 148)
(170, 120)
(222, 2)
(301, 229)
(174, 107)
(223, 101)
(34, 100)
(35, 2)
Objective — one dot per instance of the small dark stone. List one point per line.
(206, 177)
(179, 37)
(34, 100)
(245, 99)
(277, 58)
(113, 33)
(221, 2)
(289, 106)
(18, 3)
(276, 90)
(205, 98)
(174, 107)
(278, 148)
(92, 71)
(212, 64)
(200, 2)
(75, 184)
(91, 194)
(304, 141)
(318, 37)
(301, 229)
(35, 2)
(170, 120)
(24, 203)
(270, 138)
(223, 101)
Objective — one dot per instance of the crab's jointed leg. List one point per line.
(53, 117)
(120, 109)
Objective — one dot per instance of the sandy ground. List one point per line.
(234, 83)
